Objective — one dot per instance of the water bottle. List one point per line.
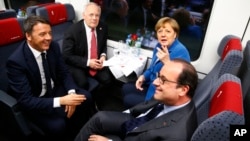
(19, 13)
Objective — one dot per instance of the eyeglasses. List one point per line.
(163, 79)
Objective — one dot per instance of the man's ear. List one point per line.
(28, 37)
(184, 90)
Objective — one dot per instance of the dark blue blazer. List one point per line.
(25, 82)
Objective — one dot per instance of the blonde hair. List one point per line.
(161, 22)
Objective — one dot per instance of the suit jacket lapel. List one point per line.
(142, 107)
(52, 64)
(82, 35)
(165, 120)
(99, 34)
(32, 65)
(160, 122)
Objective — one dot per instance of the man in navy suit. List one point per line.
(55, 104)
(77, 49)
(175, 86)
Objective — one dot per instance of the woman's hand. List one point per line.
(163, 54)
(139, 82)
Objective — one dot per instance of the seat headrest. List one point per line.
(11, 31)
(228, 43)
(31, 10)
(56, 13)
(227, 95)
(8, 13)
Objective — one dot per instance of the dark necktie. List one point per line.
(47, 73)
(93, 51)
(131, 124)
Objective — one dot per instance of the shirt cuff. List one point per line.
(72, 91)
(103, 54)
(56, 102)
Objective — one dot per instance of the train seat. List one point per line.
(60, 16)
(244, 72)
(244, 75)
(12, 121)
(225, 109)
(231, 56)
(31, 10)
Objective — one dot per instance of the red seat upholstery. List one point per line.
(57, 13)
(60, 16)
(231, 56)
(227, 97)
(226, 108)
(233, 44)
(11, 31)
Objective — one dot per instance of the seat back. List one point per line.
(244, 71)
(60, 16)
(8, 13)
(11, 36)
(31, 10)
(244, 75)
(225, 109)
(231, 56)
(217, 127)
(12, 122)
(226, 95)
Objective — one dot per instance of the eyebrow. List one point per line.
(166, 79)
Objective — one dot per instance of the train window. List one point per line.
(22, 4)
(126, 17)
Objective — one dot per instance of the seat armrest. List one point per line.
(10, 103)
(7, 99)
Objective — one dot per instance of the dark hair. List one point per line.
(182, 16)
(31, 21)
(188, 76)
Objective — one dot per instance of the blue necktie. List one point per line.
(131, 124)
(47, 73)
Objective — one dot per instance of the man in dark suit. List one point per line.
(175, 86)
(46, 94)
(77, 48)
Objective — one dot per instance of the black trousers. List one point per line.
(104, 123)
(56, 124)
(104, 77)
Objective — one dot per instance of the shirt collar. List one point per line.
(171, 108)
(88, 29)
(35, 52)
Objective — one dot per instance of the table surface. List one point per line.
(123, 66)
